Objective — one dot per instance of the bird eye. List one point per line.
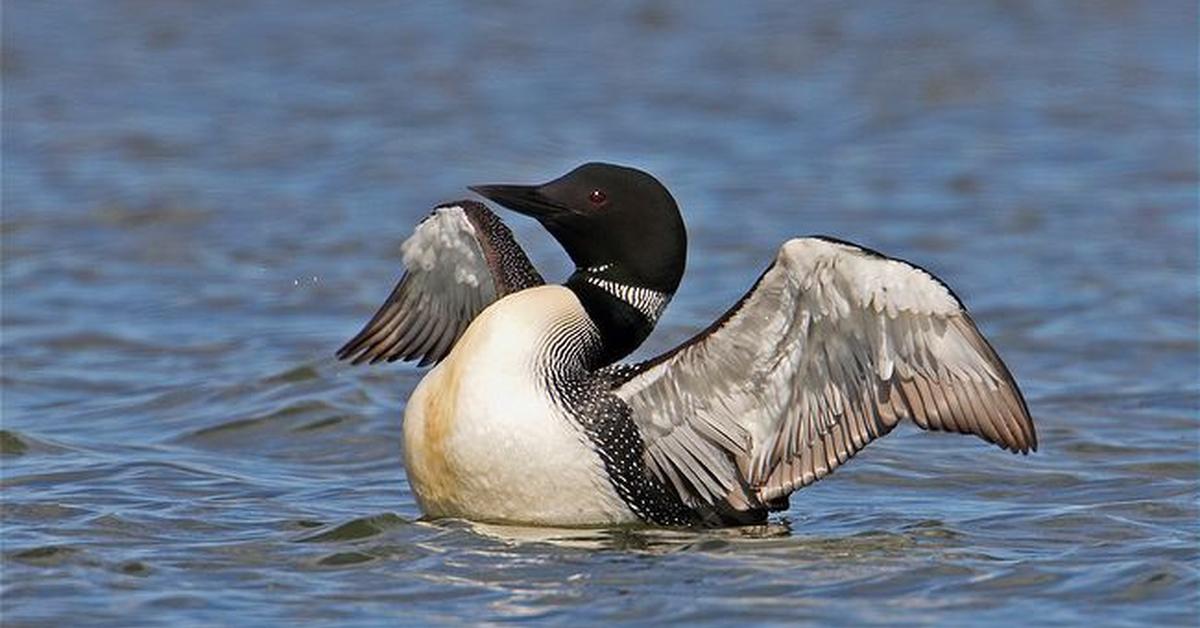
(597, 197)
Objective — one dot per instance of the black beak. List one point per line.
(523, 199)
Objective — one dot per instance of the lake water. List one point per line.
(203, 200)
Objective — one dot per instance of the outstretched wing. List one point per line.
(831, 348)
(458, 261)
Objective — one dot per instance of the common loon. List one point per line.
(528, 418)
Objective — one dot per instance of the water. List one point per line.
(201, 201)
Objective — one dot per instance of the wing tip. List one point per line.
(1023, 449)
(349, 352)
(1025, 440)
(356, 353)
(365, 356)
(1031, 442)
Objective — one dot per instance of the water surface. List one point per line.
(201, 201)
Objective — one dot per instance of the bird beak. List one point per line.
(523, 199)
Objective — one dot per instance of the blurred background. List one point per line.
(202, 200)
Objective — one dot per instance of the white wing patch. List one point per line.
(458, 260)
(842, 276)
(446, 242)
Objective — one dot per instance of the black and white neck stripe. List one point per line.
(650, 303)
(624, 313)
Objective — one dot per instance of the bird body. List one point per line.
(530, 418)
(486, 438)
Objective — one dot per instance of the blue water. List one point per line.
(202, 200)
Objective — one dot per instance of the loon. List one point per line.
(529, 418)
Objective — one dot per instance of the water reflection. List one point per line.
(638, 539)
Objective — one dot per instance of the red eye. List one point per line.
(597, 197)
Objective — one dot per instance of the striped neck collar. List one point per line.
(650, 303)
(623, 313)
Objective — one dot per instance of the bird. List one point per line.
(529, 417)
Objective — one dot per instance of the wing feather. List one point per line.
(458, 261)
(832, 347)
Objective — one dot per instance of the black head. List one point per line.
(607, 216)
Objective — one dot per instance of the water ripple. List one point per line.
(200, 205)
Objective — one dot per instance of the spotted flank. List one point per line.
(585, 399)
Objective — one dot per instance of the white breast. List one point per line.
(485, 440)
